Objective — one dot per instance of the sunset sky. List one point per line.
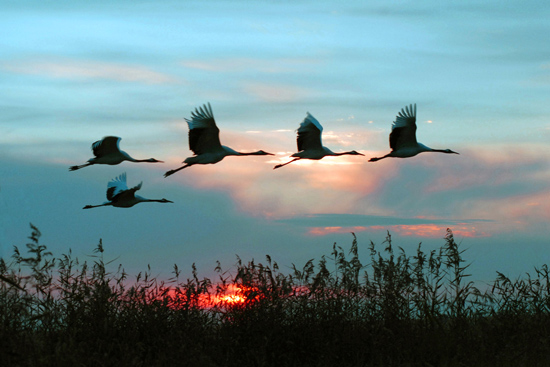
(72, 72)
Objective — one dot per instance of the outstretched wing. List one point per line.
(105, 146)
(309, 134)
(403, 130)
(204, 135)
(117, 188)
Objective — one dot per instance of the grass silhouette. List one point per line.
(398, 310)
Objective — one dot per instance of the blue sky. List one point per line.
(73, 72)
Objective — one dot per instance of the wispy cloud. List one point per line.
(420, 230)
(323, 224)
(360, 220)
(350, 139)
(87, 69)
(237, 65)
(276, 93)
(258, 187)
(421, 196)
(516, 212)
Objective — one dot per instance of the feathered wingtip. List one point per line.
(309, 119)
(199, 116)
(120, 178)
(408, 111)
(202, 112)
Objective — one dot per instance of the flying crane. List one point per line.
(403, 142)
(120, 196)
(204, 141)
(309, 142)
(107, 151)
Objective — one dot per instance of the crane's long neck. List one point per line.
(129, 158)
(150, 160)
(229, 151)
(438, 150)
(344, 153)
(141, 199)
(259, 152)
(448, 151)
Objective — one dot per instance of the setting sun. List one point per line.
(231, 298)
(232, 295)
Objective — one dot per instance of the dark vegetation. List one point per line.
(398, 310)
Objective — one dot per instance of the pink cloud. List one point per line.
(418, 230)
(90, 70)
(351, 185)
(269, 66)
(496, 165)
(333, 184)
(276, 93)
(516, 212)
(310, 188)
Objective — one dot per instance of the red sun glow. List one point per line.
(232, 295)
(230, 299)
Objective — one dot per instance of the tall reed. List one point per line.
(393, 310)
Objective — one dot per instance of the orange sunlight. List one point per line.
(231, 296)
(258, 187)
(221, 297)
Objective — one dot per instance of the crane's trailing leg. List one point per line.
(374, 159)
(74, 168)
(171, 172)
(284, 164)
(95, 206)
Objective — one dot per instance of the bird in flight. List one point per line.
(107, 151)
(403, 142)
(120, 196)
(204, 141)
(309, 142)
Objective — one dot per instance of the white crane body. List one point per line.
(107, 151)
(204, 141)
(309, 142)
(403, 142)
(120, 196)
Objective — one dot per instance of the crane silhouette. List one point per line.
(309, 142)
(120, 196)
(107, 151)
(403, 142)
(204, 141)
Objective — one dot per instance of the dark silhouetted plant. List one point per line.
(393, 310)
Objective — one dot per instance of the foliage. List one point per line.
(397, 310)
